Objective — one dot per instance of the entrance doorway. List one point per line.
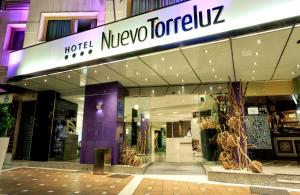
(170, 125)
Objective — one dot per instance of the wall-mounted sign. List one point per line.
(253, 110)
(171, 25)
(120, 108)
(6, 99)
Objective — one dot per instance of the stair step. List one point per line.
(288, 181)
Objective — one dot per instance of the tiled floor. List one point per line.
(44, 181)
(48, 181)
(167, 187)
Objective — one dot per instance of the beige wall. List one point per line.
(270, 88)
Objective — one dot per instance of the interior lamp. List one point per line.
(99, 106)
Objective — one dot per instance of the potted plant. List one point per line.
(6, 121)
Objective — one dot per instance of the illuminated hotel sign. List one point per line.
(159, 29)
(172, 25)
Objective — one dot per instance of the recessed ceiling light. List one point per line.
(69, 76)
(182, 81)
(146, 79)
(256, 53)
(220, 79)
(213, 69)
(162, 59)
(219, 87)
(137, 73)
(179, 92)
(206, 51)
(175, 112)
(153, 91)
(211, 88)
(171, 67)
(209, 61)
(177, 75)
(25, 84)
(95, 71)
(253, 71)
(259, 41)
(292, 73)
(107, 78)
(126, 65)
(45, 80)
(205, 92)
(252, 78)
(182, 87)
(255, 63)
(298, 66)
(216, 76)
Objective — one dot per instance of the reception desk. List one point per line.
(179, 149)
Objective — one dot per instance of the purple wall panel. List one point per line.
(102, 128)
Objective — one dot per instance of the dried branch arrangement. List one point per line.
(234, 140)
(129, 157)
(207, 123)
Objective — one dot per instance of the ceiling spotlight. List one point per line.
(216, 76)
(162, 59)
(252, 78)
(256, 53)
(126, 65)
(209, 61)
(177, 75)
(137, 73)
(298, 66)
(153, 91)
(211, 88)
(69, 76)
(182, 87)
(253, 71)
(258, 41)
(255, 63)
(25, 84)
(206, 51)
(292, 73)
(95, 71)
(146, 79)
(175, 112)
(107, 78)
(171, 68)
(182, 81)
(213, 69)
(205, 92)
(45, 80)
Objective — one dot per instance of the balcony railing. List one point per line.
(14, 4)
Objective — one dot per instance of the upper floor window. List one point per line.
(61, 28)
(142, 6)
(17, 39)
(14, 37)
(57, 29)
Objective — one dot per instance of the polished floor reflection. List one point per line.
(44, 181)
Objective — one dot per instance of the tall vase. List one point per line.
(3, 149)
